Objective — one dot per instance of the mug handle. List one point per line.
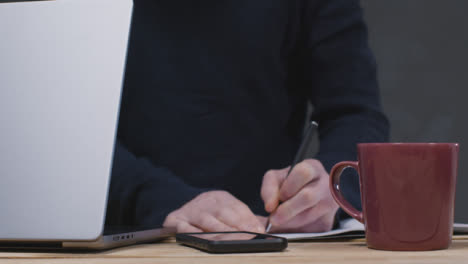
(335, 176)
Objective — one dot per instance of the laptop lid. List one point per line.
(61, 72)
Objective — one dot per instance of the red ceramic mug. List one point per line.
(407, 194)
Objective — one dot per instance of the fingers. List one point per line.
(215, 211)
(241, 218)
(180, 225)
(278, 186)
(322, 224)
(262, 219)
(271, 185)
(184, 227)
(209, 223)
(307, 203)
(301, 175)
(309, 215)
(307, 198)
(236, 214)
(312, 223)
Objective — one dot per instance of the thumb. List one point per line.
(272, 181)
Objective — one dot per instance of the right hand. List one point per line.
(214, 211)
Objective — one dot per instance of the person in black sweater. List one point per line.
(214, 105)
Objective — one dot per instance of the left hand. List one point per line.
(306, 202)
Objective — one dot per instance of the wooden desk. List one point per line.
(354, 251)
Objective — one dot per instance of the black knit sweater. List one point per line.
(216, 94)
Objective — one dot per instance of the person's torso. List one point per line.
(208, 91)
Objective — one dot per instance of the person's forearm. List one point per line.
(143, 194)
(338, 143)
(341, 74)
(338, 137)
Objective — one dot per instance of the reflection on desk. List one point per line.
(331, 251)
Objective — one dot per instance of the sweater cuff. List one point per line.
(153, 203)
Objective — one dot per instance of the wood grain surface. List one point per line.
(351, 251)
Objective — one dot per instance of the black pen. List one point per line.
(300, 155)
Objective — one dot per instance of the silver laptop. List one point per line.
(61, 71)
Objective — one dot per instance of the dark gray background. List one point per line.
(421, 49)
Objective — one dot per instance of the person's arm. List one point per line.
(340, 72)
(142, 194)
(336, 70)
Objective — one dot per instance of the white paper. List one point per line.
(351, 228)
(346, 227)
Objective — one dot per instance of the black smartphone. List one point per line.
(232, 242)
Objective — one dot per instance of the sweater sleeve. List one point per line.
(341, 82)
(142, 194)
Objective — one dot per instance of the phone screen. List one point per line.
(231, 236)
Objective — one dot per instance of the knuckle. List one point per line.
(285, 193)
(204, 196)
(303, 170)
(241, 208)
(212, 198)
(205, 220)
(316, 167)
(224, 213)
(308, 196)
(285, 213)
(222, 194)
(314, 163)
(173, 217)
(269, 175)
